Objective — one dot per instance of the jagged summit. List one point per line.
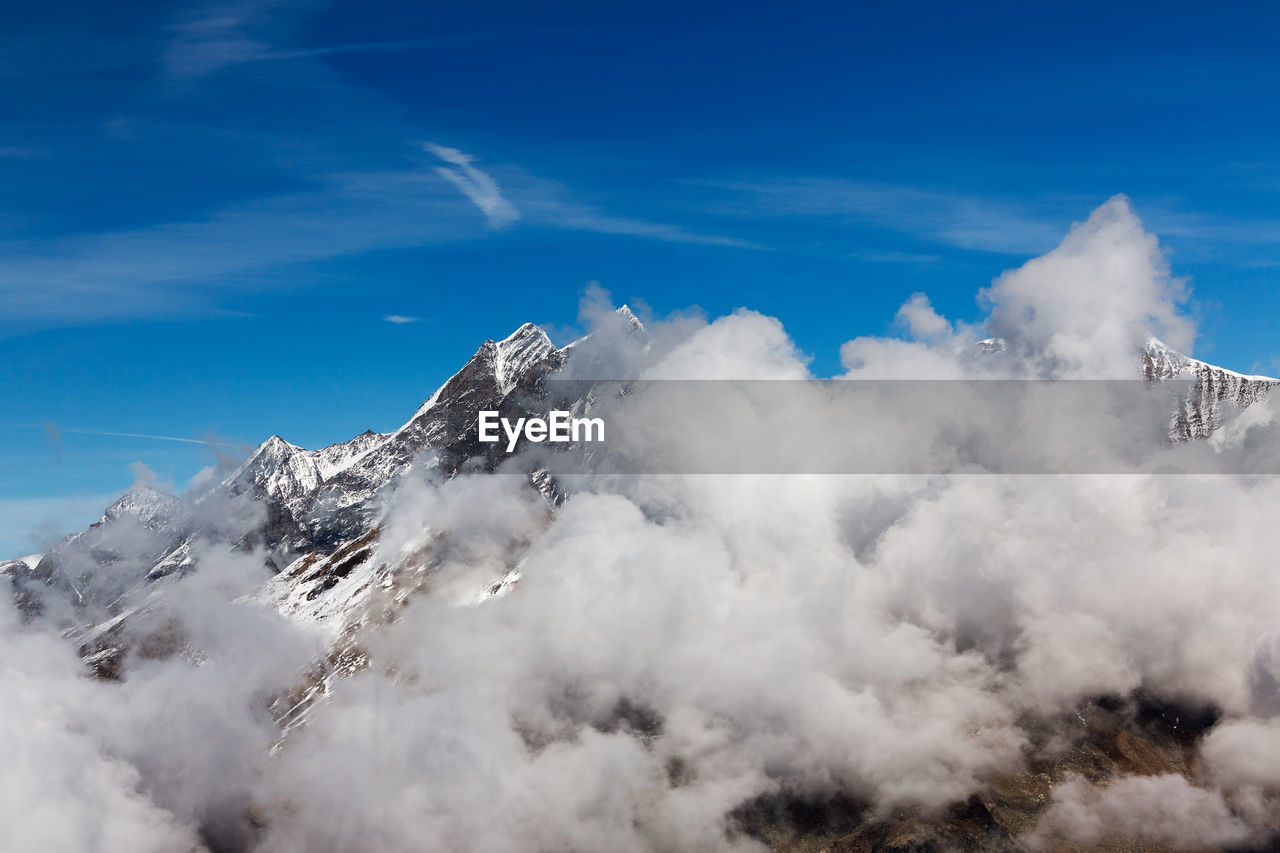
(1161, 361)
(627, 314)
(519, 352)
(151, 507)
(320, 497)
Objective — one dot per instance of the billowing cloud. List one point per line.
(943, 218)
(1080, 311)
(676, 647)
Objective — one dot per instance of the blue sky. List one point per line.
(210, 209)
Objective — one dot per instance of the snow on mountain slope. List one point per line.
(1160, 361)
(1213, 389)
(320, 498)
(153, 508)
(20, 565)
(290, 500)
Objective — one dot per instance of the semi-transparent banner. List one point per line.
(879, 427)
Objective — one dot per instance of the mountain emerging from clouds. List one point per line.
(401, 642)
(293, 502)
(324, 523)
(289, 501)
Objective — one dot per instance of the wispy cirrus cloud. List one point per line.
(212, 38)
(1247, 242)
(580, 217)
(54, 433)
(475, 184)
(921, 259)
(232, 48)
(177, 268)
(399, 319)
(204, 45)
(964, 222)
(324, 189)
(550, 204)
(993, 224)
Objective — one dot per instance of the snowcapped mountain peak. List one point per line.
(516, 354)
(277, 446)
(527, 331)
(274, 462)
(616, 347)
(151, 507)
(317, 498)
(627, 314)
(1161, 361)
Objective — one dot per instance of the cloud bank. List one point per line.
(676, 647)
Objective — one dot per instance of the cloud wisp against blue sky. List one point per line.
(972, 223)
(475, 184)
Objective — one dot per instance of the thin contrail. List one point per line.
(202, 442)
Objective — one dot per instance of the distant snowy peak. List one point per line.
(281, 470)
(336, 458)
(278, 469)
(153, 508)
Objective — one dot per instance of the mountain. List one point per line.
(308, 506)
(317, 499)
(292, 501)
(1213, 389)
(317, 517)
(313, 512)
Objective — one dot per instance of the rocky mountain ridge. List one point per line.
(316, 515)
(1213, 389)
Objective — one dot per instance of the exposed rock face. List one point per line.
(1109, 739)
(1213, 390)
